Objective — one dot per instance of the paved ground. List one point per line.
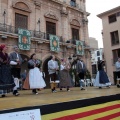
(46, 97)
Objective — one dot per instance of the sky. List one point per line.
(95, 7)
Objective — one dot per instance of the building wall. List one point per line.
(107, 28)
(93, 43)
(57, 11)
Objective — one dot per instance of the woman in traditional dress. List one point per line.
(6, 79)
(102, 79)
(35, 78)
(65, 79)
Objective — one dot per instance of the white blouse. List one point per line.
(62, 67)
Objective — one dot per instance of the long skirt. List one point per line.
(101, 79)
(34, 80)
(65, 79)
(16, 72)
(6, 79)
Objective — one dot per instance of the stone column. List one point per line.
(37, 15)
(64, 24)
(64, 27)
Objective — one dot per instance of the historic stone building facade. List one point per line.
(66, 19)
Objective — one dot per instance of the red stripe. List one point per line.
(88, 113)
(109, 117)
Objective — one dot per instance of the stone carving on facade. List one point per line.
(21, 5)
(37, 4)
(75, 22)
(64, 11)
(51, 15)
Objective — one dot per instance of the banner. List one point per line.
(22, 115)
(79, 47)
(54, 43)
(24, 39)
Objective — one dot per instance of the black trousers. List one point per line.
(81, 75)
(53, 77)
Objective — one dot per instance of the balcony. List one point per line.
(72, 41)
(8, 29)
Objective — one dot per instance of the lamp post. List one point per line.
(39, 24)
(4, 15)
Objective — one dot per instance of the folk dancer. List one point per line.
(6, 79)
(81, 70)
(34, 79)
(65, 79)
(52, 69)
(16, 61)
(102, 79)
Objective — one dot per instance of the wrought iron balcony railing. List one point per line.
(72, 41)
(34, 33)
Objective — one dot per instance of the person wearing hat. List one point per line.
(102, 79)
(81, 70)
(117, 65)
(6, 79)
(16, 61)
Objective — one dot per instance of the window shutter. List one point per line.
(21, 21)
(51, 28)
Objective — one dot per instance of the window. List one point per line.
(98, 58)
(73, 3)
(116, 54)
(114, 37)
(75, 34)
(21, 21)
(50, 28)
(98, 53)
(112, 18)
(118, 14)
(94, 69)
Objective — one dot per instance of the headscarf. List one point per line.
(2, 47)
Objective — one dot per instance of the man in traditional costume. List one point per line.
(16, 61)
(81, 70)
(52, 69)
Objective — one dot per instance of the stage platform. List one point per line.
(27, 99)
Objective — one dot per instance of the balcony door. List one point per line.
(75, 34)
(50, 28)
(21, 21)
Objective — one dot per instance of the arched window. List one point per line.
(51, 23)
(22, 12)
(75, 29)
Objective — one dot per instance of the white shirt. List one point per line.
(62, 67)
(54, 64)
(81, 64)
(17, 55)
